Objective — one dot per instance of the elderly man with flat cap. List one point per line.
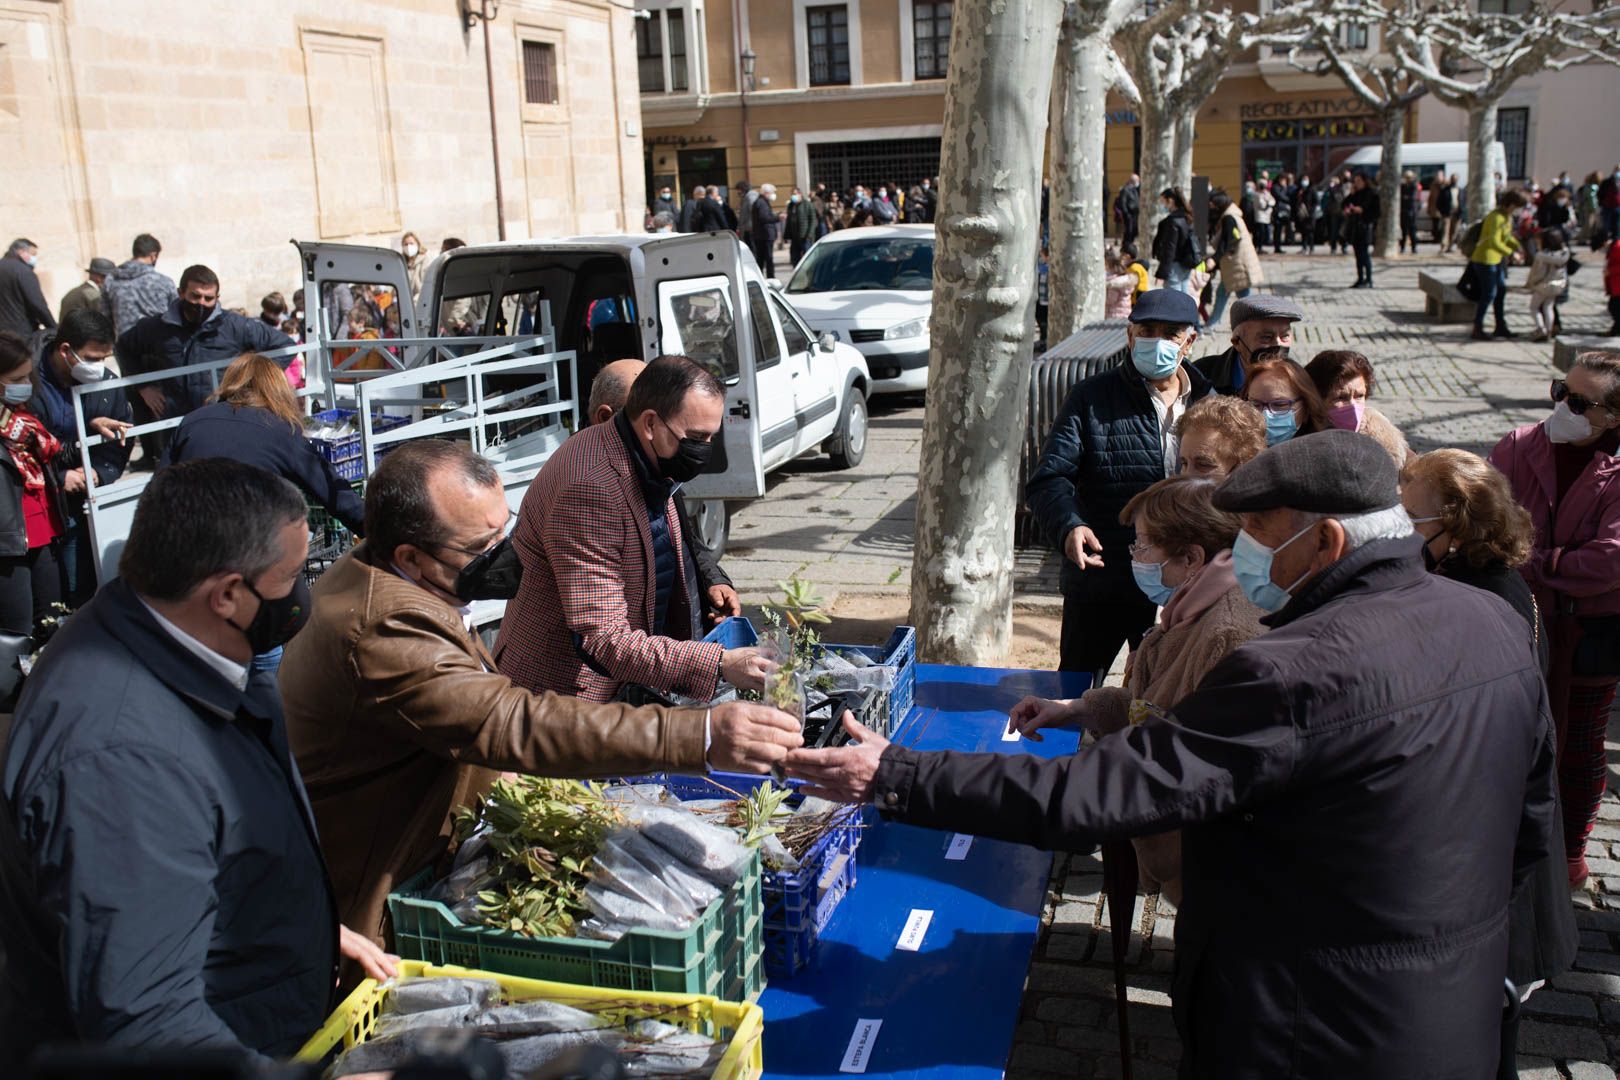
(1114, 438)
(1262, 321)
(1360, 789)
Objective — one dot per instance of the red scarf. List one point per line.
(31, 446)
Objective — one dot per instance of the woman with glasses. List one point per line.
(1285, 396)
(1345, 380)
(1182, 560)
(1474, 533)
(1565, 473)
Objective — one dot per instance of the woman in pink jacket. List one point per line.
(1565, 473)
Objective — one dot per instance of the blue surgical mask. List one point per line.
(1156, 358)
(1280, 427)
(18, 393)
(1251, 562)
(1150, 579)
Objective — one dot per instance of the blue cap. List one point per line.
(1166, 306)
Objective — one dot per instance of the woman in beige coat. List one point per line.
(1182, 559)
(1232, 250)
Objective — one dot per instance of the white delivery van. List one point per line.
(1427, 160)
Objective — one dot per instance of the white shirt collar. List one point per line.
(228, 669)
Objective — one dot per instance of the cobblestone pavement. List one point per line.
(1443, 390)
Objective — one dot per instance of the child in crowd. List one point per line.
(1548, 278)
(1122, 284)
(1135, 265)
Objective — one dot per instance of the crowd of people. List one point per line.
(1530, 226)
(1191, 499)
(805, 217)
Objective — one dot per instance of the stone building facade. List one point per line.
(227, 129)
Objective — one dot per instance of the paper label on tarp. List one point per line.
(859, 1052)
(911, 938)
(960, 843)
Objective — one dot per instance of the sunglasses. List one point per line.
(1577, 404)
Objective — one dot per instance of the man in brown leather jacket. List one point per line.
(397, 715)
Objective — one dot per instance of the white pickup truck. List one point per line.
(535, 320)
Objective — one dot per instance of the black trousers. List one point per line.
(1409, 230)
(1094, 630)
(764, 253)
(29, 585)
(796, 248)
(1361, 242)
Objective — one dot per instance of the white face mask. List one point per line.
(86, 371)
(1564, 426)
(411, 250)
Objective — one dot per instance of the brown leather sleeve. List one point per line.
(418, 676)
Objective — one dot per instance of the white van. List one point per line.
(1427, 160)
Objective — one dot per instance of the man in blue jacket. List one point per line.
(1114, 438)
(194, 330)
(77, 354)
(161, 882)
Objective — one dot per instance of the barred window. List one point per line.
(931, 33)
(827, 29)
(650, 54)
(1513, 131)
(539, 73)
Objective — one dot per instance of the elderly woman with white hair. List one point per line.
(1349, 843)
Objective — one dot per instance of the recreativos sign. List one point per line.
(1269, 110)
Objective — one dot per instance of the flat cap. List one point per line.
(1166, 306)
(1331, 472)
(98, 265)
(1265, 306)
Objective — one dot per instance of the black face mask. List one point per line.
(276, 621)
(194, 313)
(491, 575)
(689, 459)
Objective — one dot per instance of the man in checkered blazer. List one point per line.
(608, 592)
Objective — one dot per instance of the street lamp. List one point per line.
(487, 10)
(748, 58)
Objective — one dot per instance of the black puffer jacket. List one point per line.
(1104, 448)
(1359, 795)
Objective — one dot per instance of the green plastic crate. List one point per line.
(722, 954)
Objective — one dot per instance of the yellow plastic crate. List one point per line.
(744, 1059)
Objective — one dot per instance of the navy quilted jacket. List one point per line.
(1103, 449)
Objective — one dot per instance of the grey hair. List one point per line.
(1390, 523)
(1605, 364)
(22, 243)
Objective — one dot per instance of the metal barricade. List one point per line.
(1094, 348)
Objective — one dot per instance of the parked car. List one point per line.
(874, 288)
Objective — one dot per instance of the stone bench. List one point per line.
(1442, 301)
(1569, 346)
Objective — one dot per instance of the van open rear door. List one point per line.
(692, 302)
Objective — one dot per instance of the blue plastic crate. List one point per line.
(900, 653)
(797, 905)
(344, 453)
